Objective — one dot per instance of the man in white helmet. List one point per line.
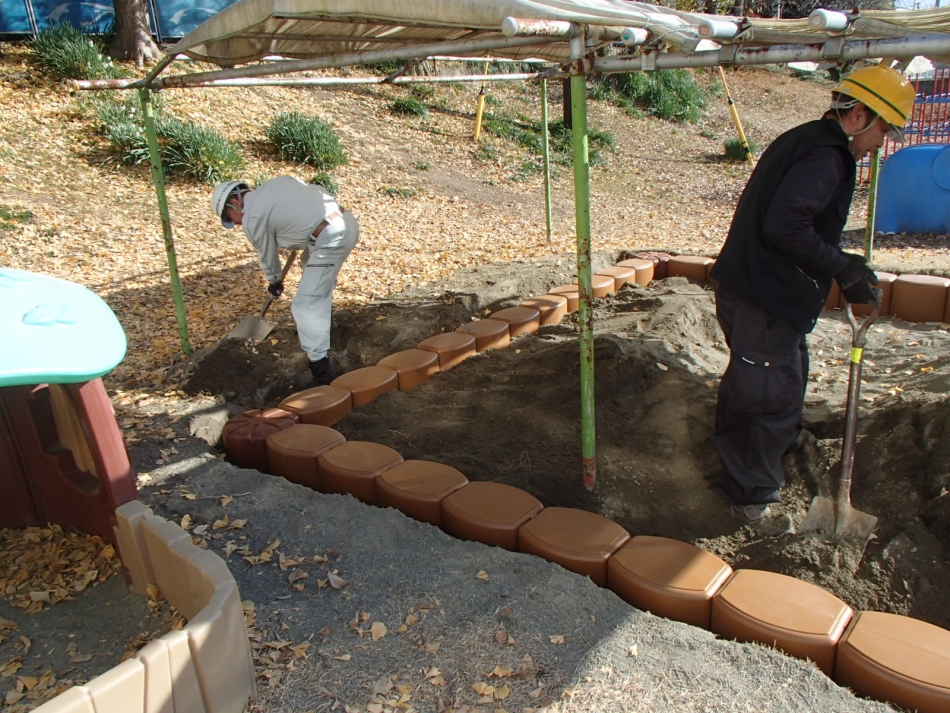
(285, 212)
(775, 271)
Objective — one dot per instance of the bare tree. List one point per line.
(133, 37)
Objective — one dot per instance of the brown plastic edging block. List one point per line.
(367, 383)
(452, 348)
(885, 283)
(158, 678)
(186, 690)
(521, 320)
(412, 367)
(551, 308)
(667, 577)
(919, 298)
(799, 618)
(643, 267)
(488, 333)
(488, 512)
(121, 689)
(659, 262)
(217, 629)
(897, 659)
(621, 275)
(245, 436)
(352, 468)
(72, 700)
(319, 406)
(577, 540)
(600, 286)
(834, 297)
(417, 488)
(692, 267)
(571, 293)
(293, 452)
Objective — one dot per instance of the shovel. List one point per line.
(254, 328)
(838, 517)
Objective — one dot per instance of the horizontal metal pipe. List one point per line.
(98, 84)
(782, 54)
(494, 42)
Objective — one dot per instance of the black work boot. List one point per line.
(322, 372)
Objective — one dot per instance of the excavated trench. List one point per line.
(512, 416)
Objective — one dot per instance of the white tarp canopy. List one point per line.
(250, 30)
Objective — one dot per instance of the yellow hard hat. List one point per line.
(884, 91)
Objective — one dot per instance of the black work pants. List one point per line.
(761, 395)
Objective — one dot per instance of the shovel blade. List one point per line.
(846, 524)
(820, 517)
(251, 328)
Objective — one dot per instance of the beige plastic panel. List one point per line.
(182, 592)
(219, 627)
(161, 537)
(186, 691)
(206, 572)
(158, 678)
(132, 548)
(120, 689)
(73, 700)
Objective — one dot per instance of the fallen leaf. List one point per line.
(237, 524)
(218, 524)
(297, 574)
(500, 672)
(557, 639)
(632, 651)
(483, 689)
(300, 650)
(378, 630)
(434, 648)
(335, 581)
(225, 500)
(185, 522)
(482, 575)
(344, 657)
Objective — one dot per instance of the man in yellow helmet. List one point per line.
(775, 271)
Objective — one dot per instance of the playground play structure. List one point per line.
(320, 35)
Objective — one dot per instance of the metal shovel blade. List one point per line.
(251, 328)
(843, 522)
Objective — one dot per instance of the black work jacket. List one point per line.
(782, 251)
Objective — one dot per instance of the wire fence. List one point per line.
(929, 123)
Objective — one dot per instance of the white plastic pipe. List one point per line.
(634, 36)
(717, 29)
(828, 20)
(514, 27)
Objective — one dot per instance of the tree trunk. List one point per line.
(133, 37)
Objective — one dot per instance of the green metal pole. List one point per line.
(585, 314)
(872, 206)
(547, 157)
(158, 176)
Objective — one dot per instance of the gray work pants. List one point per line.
(312, 305)
(761, 395)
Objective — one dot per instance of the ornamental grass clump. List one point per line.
(307, 140)
(64, 51)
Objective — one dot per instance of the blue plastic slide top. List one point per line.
(53, 331)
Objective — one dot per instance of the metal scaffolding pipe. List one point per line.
(352, 59)
(781, 54)
(99, 84)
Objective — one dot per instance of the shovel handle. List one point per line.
(283, 274)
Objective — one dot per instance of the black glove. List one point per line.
(856, 281)
(277, 288)
(853, 257)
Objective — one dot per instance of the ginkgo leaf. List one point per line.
(500, 672)
(335, 581)
(218, 524)
(557, 639)
(237, 524)
(225, 500)
(185, 522)
(482, 575)
(378, 630)
(344, 657)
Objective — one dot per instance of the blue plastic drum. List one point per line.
(913, 194)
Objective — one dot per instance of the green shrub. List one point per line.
(671, 94)
(408, 106)
(735, 151)
(527, 134)
(486, 151)
(259, 180)
(492, 100)
(186, 148)
(305, 139)
(384, 69)
(327, 181)
(422, 91)
(423, 166)
(67, 52)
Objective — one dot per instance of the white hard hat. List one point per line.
(219, 199)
